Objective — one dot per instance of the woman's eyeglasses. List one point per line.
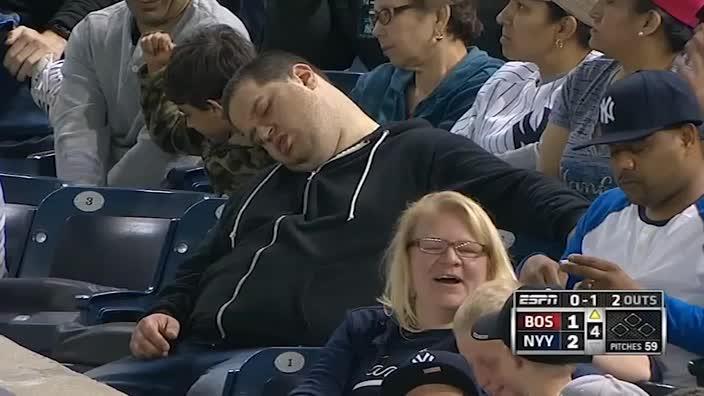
(437, 247)
(385, 15)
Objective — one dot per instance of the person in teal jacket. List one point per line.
(434, 72)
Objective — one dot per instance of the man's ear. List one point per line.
(306, 75)
(214, 105)
(690, 135)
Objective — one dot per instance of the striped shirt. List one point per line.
(511, 112)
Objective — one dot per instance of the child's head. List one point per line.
(493, 363)
(482, 330)
(197, 73)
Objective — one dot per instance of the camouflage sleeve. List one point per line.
(164, 121)
(231, 164)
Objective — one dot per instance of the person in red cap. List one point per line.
(633, 35)
(694, 69)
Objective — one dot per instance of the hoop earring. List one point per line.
(439, 37)
(641, 34)
(559, 44)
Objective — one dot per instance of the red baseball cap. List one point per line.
(684, 11)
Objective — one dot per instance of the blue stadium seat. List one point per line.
(84, 241)
(188, 179)
(271, 372)
(120, 306)
(108, 318)
(28, 190)
(106, 236)
(343, 80)
(39, 164)
(22, 196)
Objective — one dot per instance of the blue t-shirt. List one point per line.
(365, 348)
(577, 110)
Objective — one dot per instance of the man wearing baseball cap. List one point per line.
(432, 373)
(649, 233)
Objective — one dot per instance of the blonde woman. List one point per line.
(445, 246)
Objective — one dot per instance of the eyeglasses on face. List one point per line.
(437, 247)
(385, 15)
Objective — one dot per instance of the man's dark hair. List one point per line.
(583, 32)
(202, 65)
(267, 67)
(676, 32)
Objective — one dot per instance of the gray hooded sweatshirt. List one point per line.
(99, 131)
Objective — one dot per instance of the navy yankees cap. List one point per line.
(497, 326)
(431, 367)
(643, 103)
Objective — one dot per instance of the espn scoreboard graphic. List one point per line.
(566, 322)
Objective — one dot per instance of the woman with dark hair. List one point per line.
(547, 39)
(435, 72)
(634, 35)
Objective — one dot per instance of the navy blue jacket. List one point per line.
(368, 346)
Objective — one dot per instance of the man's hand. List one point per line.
(599, 274)
(540, 270)
(151, 337)
(693, 71)
(27, 47)
(157, 48)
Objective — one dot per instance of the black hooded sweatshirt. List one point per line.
(296, 250)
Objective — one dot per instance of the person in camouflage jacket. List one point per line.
(180, 97)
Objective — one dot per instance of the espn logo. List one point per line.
(542, 299)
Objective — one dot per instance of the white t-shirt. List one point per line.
(511, 112)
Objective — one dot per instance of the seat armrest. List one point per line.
(94, 345)
(46, 162)
(27, 295)
(696, 368)
(114, 306)
(42, 155)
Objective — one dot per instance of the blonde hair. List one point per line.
(398, 293)
(487, 298)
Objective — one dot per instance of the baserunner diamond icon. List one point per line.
(633, 320)
(620, 329)
(646, 329)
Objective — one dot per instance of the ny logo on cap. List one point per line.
(606, 110)
(423, 357)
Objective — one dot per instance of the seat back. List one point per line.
(28, 190)
(18, 220)
(186, 178)
(107, 236)
(343, 80)
(22, 194)
(190, 232)
(271, 372)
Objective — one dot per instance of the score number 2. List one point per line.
(572, 342)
